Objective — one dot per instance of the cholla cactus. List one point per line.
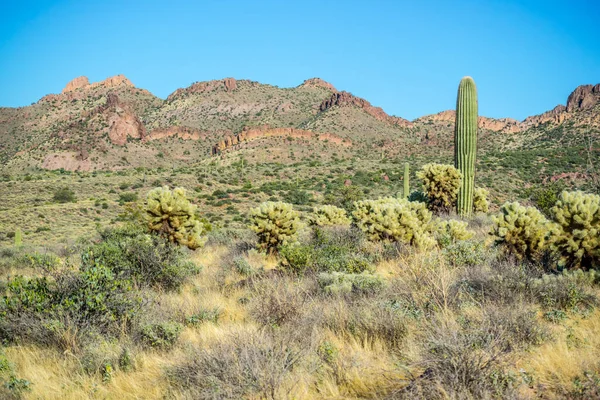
(396, 220)
(480, 201)
(576, 238)
(171, 215)
(453, 230)
(329, 215)
(523, 230)
(275, 223)
(441, 183)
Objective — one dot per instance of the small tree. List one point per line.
(171, 215)
(441, 184)
(275, 223)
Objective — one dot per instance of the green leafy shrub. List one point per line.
(329, 249)
(147, 260)
(64, 195)
(329, 215)
(465, 253)
(480, 200)
(576, 237)
(42, 309)
(275, 223)
(522, 230)
(441, 184)
(344, 283)
(128, 197)
(170, 214)
(395, 220)
(162, 335)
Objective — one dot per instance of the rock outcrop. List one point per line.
(181, 132)
(122, 122)
(83, 82)
(344, 99)
(583, 98)
(77, 83)
(507, 125)
(249, 134)
(318, 82)
(227, 85)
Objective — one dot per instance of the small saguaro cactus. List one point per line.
(18, 237)
(465, 143)
(406, 180)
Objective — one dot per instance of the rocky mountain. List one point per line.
(114, 125)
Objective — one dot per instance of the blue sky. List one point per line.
(405, 56)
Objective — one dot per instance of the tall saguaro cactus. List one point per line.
(406, 180)
(465, 143)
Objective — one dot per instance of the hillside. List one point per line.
(112, 125)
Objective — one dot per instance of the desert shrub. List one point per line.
(276, 302)
(465, 253)
(240, 365)
(344, 283)
(45, 261)
(329, 215)
(147, 260)
(333, 249)
(523, 231)
(275, 223)
(576, 237)
(441, 184)
(451, 231)
(462, 362)
(64, 195)
(128, 197)
(162, 335)
(480, 200)
(418, 196)
(395, 220)
(366, 320)
(101, 357)
(565, 292)
(204, 315)
(171, 215)
(43, 309)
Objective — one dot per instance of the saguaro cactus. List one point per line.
(465, 143)
(406, 180)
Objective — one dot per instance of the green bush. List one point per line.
(522, 230)
(330, 249)
(576, 237)
(41, 309)
(480, 200)
(170, 214)
(275, 223)
(441, 184)
(147, 260)
(64, 195)
(465, 253)
(344, 283)
(395, 220)
(128, 197)
(329, 215)
(162, 335)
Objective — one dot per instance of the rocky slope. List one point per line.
(113, 125)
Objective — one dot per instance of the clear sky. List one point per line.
(405, 56)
